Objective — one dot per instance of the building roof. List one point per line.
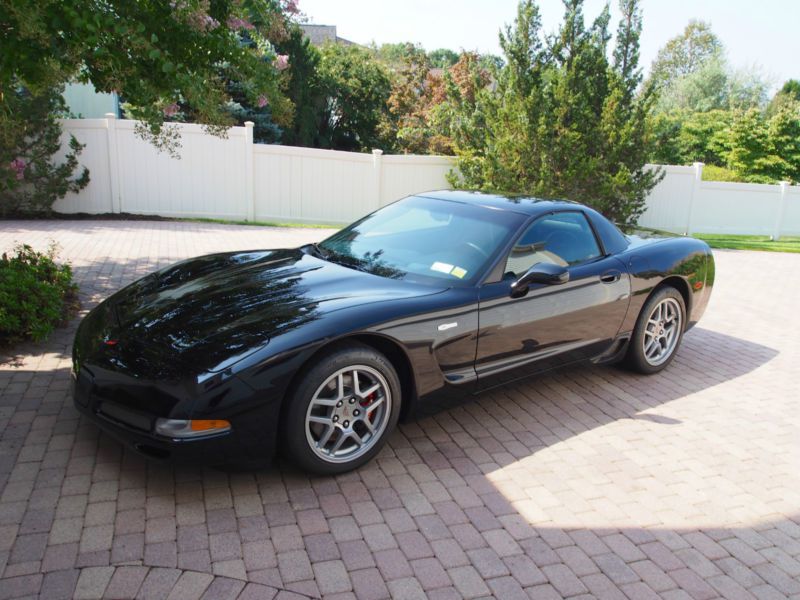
(321, 34)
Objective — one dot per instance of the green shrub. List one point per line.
(715, 173)
(36, 294)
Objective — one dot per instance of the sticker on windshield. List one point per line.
(441, 267)
(458, 272)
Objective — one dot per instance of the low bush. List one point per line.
(715, 173)
(36, 294)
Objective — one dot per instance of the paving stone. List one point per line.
(158, 583)
(331, 577)
(125, 582)
(59, 585)
(93, 582)
(223, 588)
(190, 586)
(468, 582)
(369, 585)
(587, 481)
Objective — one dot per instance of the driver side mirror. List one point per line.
(547, 273)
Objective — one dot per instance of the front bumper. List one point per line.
(251, 439)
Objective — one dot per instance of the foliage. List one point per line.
(715, 173)
(713, 85)
(564, 121)
(766, 151)
(394, 55)
(684, 137)
(304, 89)
(35, 294)
(407, 104)
(155, 55)
(685, 54)
(738, 145)
(355, 88)
(340, 94)
(442, 58)
(31, 179)
(789, 92)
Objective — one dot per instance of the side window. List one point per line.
(563, 239)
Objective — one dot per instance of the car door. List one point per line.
(552, 324)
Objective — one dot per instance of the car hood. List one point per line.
(214, 310)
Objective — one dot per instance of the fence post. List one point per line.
(377, 172)
(776, 232)
(249, 187)
(698, 177)
(113, 163)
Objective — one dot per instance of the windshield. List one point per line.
(424, 239)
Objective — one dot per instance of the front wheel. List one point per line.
(658, 332)
(342, 411)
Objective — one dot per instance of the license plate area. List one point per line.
(125, 415)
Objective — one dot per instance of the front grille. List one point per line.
(126, 416)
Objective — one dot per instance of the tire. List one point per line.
(332, 426)
(645, 355)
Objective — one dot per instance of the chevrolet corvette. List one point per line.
(319, 351)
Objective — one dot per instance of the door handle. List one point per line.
(610, 276)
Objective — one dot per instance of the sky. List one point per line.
(760, 34)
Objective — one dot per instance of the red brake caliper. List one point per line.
(366, 402)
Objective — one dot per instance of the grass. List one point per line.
(750, 242)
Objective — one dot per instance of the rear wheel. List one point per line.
(342, 410)
(658, 332)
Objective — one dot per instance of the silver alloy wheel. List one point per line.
(348, 413)
(662, 332)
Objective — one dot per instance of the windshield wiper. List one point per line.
(318, 251)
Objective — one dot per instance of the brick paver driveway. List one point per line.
(588, 482)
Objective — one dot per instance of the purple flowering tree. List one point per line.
(162, 58)
(30, 179)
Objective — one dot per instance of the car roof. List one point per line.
(511, 202)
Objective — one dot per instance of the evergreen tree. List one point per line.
(563, 121)
(305, 90)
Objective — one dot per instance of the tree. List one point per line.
(563, 121)
(30, 180)
(356, 88)
(442, 58)
(751, 151)
(766, 150)
(789, 92)
(155, 55)
(395, 55)
(685, 53)
(783, 129)
(304, 89)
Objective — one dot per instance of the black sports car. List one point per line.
(319, 350)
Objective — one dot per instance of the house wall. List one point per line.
(233, 178)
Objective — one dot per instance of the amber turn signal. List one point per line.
(184, 428)
(207, 425)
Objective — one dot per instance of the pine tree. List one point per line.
(563, 121)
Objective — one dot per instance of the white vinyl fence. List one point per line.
(684, 203)
(233, 178)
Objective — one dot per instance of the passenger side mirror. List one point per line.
(547, 273)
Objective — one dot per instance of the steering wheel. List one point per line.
(478, 249)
